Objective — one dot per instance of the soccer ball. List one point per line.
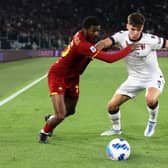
(118, 149)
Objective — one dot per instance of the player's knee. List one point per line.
(151, 101)
(112, 108)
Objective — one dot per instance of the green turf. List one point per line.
(76, 142)
(16, 74)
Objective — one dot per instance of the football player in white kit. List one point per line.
(143, 72)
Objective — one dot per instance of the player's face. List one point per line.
(134, 32)
(92, 33)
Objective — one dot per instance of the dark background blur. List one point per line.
(33, 24)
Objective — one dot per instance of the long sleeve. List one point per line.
(112, 57)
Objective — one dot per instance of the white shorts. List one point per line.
(132, 85)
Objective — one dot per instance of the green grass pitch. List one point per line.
(76, 143)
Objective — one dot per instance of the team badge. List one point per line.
(92, 49)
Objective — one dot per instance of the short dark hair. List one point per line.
(136, 19)
(90, 21)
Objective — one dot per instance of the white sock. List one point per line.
(115, 119)
(153, 113)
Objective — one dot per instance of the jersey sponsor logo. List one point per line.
(92, 49)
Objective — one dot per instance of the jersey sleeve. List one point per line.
(86, 48)
(117, 37)
(113, 56)
(157, 42)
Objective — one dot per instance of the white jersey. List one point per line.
(141, 64)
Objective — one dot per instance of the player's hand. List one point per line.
(134, 46)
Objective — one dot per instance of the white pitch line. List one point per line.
(22, 90)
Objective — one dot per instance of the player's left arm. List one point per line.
(90, 50)
(115, 56)
(105, 43)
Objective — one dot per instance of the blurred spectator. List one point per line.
(50, 24)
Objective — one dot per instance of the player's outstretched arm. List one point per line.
(105, 43)
(115, 56)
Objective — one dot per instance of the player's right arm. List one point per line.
(91, 51)
(116, 38)
(105, 43)
(117, 55)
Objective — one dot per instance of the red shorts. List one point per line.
(68, 86)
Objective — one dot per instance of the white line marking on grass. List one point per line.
(22, 90)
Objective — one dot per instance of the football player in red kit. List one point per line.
(63, 76)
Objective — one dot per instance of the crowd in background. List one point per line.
(33, 24)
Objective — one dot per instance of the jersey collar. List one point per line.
(137, 39)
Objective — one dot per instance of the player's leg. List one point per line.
(71, 95)
(153, 91)
(57, 90)
(152, 96)
(55, 119)
(126, 91)
(70, 105)
(64, 102)
(114, 114)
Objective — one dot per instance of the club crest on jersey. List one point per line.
(92, 49)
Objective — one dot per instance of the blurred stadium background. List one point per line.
(33, 24)
(31, 28)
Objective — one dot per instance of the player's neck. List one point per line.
(135, 40)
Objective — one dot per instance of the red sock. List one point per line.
(46, 128)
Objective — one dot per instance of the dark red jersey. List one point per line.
(79, 53)
(75, 57)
